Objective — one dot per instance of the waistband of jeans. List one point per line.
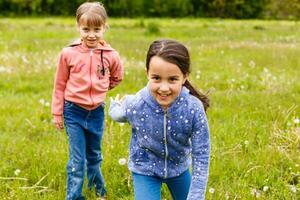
(83, 109)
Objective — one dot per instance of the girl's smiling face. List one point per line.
(90, 34)
(165, 81)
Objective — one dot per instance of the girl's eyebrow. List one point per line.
(172, 76)
(154, 75)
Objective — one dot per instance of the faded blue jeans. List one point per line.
(148, 187)
(84, 129)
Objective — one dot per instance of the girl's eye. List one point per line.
(156, 78)
(173, 79)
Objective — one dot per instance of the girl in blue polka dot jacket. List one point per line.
(169, 127)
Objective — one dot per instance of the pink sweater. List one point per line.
(81, 78)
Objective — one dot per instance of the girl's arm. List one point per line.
(61, 78)
(200, 155)
(117, 108)
(116, 71)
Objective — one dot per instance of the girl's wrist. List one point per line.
(57, 118)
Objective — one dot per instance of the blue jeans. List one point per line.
(148, 187)
(84, 129)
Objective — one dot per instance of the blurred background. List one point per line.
(240, 9)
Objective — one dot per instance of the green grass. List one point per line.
(251, 68)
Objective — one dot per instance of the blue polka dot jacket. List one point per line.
(165, 143)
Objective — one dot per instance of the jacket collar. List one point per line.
(150, 100)
(83, 48)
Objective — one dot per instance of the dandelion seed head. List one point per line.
(252, 64)
(122, 161)
(211, 190)
(255, 192)
(293, 189)
(265, 188)
(17, 172)
(227, 196)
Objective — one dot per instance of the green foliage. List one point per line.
(288, 9)
(251, 68)
(235, 8)
(153, 28)
(240, 9)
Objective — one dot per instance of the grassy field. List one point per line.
(251, 69)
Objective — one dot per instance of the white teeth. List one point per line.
(164, 95)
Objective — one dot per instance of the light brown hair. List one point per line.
(91, 13)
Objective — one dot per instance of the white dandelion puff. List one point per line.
(211, 190)
(293, 189)
(265, 188)
(24, 59)
(227, 196)
(296, 120)
(5, 69)
(17, 172)
(42, 101)
(122, 161)
(252, 64)
(255, 192)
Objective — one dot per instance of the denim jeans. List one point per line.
(84, 129)
(148, 187)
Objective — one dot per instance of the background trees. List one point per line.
(274, 9)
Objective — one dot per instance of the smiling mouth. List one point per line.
(163, 96)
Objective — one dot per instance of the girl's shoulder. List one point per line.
(133, 100)
(194, 103)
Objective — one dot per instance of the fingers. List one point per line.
(122, 99)
(59, 126)
(117, 97)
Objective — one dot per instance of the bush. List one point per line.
(153, 28)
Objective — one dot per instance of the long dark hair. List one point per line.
(176, 53)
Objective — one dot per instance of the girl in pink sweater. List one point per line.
(86, 70)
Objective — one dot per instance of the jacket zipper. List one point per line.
(166, 147)
(91, 65)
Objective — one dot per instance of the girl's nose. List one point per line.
(91, 34)
(164, 87)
